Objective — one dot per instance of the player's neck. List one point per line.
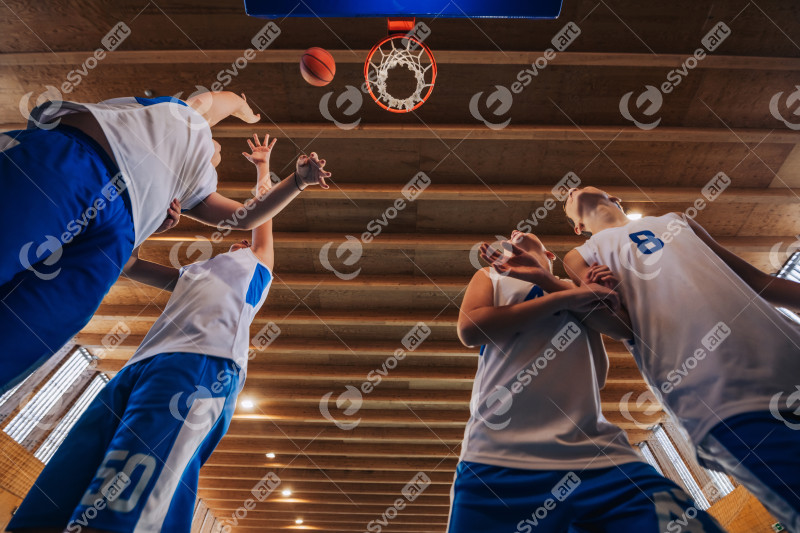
(604, 217)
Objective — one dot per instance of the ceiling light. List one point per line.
(270, 455)
(247, 404)
(634, 216)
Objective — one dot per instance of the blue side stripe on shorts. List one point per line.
(260, 280)
(159, 100)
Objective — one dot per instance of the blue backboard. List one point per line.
(526, 9)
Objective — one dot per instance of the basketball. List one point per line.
(317, 66)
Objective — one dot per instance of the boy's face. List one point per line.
(532, 245)
(580, 200)
(217, 157)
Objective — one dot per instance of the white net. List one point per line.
(409, 54)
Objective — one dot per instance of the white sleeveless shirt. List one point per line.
(211, 309)
(536, 398)
(709, 346)
(163, 150)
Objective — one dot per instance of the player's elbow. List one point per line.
(469, 333)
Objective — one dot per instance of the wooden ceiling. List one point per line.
(484, 181)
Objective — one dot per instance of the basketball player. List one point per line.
(707, 339)
(538, 454)
(135, 454)
(83, 186)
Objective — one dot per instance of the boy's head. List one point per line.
(580, 202)
(244, 243)
(217, 157)
(531, 244)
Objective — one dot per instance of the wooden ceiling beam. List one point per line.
(298, 316)
(265, 431)
(399, 416)
(526, 193)
(230, 489)
(332, 462)
(433, 241)
(314, 475)
(624, 371)
(456, 57)
(513, 132)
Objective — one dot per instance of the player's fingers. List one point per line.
(255, 136)
(247, 156)
(490, 253)
(272, 143)
(251, 145)
(322, 182)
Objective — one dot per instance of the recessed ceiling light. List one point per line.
(247, 404)
(287, 492)
(298, 521)
(634, 216)
(270, 455)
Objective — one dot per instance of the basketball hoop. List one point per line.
(400, 49)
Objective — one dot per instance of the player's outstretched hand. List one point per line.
(245, 113)
(514, 261)
(601, 275)
(173, 216)
(259, 153)
(310, 170)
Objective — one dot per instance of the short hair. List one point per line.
(572, 222)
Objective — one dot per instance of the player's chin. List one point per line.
(238, 246)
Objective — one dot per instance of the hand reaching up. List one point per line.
(310, 170)
(260, 153)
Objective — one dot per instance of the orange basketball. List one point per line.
(317, 66)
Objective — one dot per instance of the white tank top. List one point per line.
(163, 150)
(708, 345)
(536, 399)
(211, 309)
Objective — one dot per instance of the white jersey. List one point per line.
(536, 398)
(211, 309)
(163, 150)
(708, 345)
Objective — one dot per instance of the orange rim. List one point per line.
(433, 73)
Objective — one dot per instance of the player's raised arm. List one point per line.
(777, 291)
(153, 274)
(481, 322)
(262, 244)
(217, 106)
(216, 208)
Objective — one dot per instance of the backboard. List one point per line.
(526, 9)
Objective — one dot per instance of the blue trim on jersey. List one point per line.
(259, 282)
(159, 100)
(536, 292)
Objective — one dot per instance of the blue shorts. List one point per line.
(626, 498)
(762, 452)
(69, 233)
(132, 461)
